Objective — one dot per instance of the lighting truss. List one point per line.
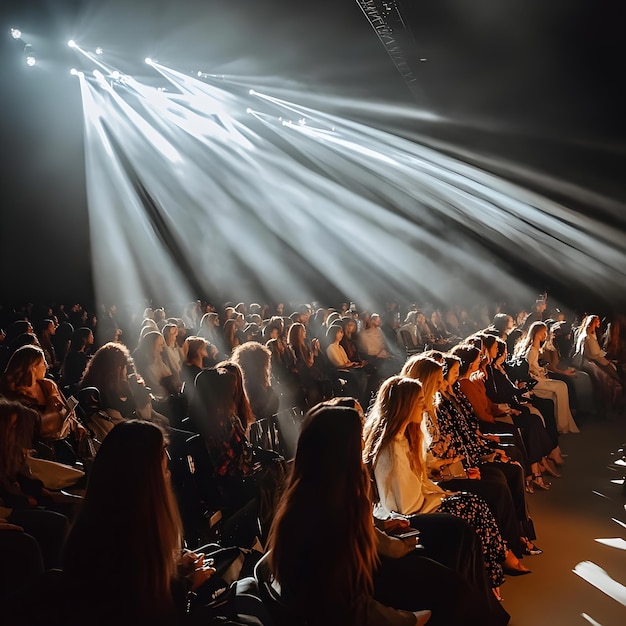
(386, 19)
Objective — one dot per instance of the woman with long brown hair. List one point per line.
(130, 515)
(325, 566)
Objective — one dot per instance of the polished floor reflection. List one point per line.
(581, 524)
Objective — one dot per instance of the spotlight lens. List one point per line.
(148, 61)
(199, 74)
(71, 43)
(99, 50)
(248, 110)
(115, 75)
(16, 33)
(252, 92)
(30, 60)
(74, 72)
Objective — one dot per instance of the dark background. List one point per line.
(534, 81)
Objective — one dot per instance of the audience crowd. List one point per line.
(145, 475)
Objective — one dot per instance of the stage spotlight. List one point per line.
(116, 75)
(30, 55)
(74, 72)
(99, 50)
(16, 33)
(199, 74)
(71, 43)
(252, 92)
(148, 61)
(248, 110)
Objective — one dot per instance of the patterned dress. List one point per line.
(402, 489)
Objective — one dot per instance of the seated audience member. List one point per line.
(248, 477)
(172, 354)
(25, 380)
(24, 501)
(77, 357)
(305, 354)
(374, 348)
(338, 588)
(122, 394)
(254, 361)
(352, 371)
(231, 337)
(578, 383)
(539, 445)
(151, 367)
(47, 330)
(556, 390)
(198, 354)
(143, 576)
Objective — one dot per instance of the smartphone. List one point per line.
(410, 532)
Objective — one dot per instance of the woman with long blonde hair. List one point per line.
(395, 448)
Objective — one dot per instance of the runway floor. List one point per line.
(580, 579)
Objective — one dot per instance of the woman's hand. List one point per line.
(196, 568)
(473, 473)
(394, 524)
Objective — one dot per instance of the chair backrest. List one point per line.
(281, 613)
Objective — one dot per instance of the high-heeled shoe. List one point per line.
(557, 459)
(512, 565)
(529, 485)
(530, 548)
(538, 482)
(548, 469)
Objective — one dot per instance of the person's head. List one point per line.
(500, 352)
(107, 369)
(220, 393)
(26, 365)
(349, 326)
(151, 345)
(296, 335)
(130, 508)
(170, 333)
(376, 321)
(17, 429)
(195, 350)
(399, 402)
(430, 374)
(230, 334)
(327, 475)
(503, 324)
(47, 328)
(591, 323)
(451, 369)
(537, 333)
(254, 360)
(334, 333)
(470, 359)
(411, 317)
(540, 306)
(81, 339)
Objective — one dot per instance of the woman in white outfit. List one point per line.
(556, 390)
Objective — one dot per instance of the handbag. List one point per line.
(452, 471)
(53, 475)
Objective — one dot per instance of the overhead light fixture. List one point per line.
(116, 75)
(16, 33)
(199, 74)
(99, 50)
(71, 43)
(149, 61)
(251, 92)
(30, 55)
(74, 72)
